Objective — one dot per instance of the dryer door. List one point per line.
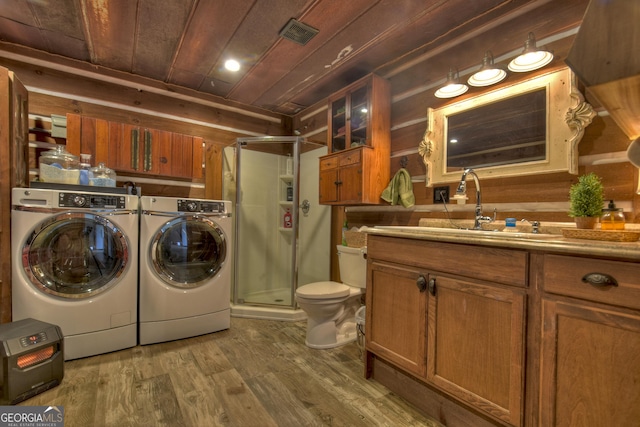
(75, 255)
(188, 251)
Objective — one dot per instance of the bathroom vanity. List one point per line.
(486, 328)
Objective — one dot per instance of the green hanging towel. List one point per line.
(400, 190)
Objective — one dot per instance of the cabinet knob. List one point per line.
(432, 286)
(421, 283)
(599, 279)
(337, 182)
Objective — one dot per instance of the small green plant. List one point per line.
(586, 196)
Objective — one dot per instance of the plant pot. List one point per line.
(586, 222)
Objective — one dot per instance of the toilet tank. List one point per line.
(353, 266)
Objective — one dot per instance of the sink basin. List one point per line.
(468, 232)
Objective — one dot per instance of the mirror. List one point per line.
(532, 126)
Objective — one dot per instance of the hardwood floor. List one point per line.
(257, 373)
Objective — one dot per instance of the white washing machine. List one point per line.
(75, 265)
(185, 268)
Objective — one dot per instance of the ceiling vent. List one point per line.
(298, 32)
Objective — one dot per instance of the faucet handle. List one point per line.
(535, 225)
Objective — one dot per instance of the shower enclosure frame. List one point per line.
(296, 143)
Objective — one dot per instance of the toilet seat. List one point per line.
(323, 290)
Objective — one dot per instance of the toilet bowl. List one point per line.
(331, 306)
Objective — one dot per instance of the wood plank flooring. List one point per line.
(257, 373)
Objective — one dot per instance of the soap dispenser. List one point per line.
(612, 218)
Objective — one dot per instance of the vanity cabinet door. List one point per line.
(476, 345)
(396, 315)
(590, 365)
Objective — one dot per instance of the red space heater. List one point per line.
(32, 359)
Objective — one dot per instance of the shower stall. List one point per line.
(282, 233)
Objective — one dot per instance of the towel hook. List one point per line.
(403, 161)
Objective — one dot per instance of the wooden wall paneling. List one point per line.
(213, 170)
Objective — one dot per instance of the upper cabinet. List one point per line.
(357, 170)
(604, 57)
(135, 149)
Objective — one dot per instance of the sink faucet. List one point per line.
(462, 191)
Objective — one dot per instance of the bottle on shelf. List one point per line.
(287, 219)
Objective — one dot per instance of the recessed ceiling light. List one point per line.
(232, 65)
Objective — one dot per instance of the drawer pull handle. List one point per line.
(599, 279)
(421, 283)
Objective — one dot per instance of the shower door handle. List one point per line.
(305, 206)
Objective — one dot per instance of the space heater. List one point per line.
(32, 359)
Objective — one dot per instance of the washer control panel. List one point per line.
(90, 201)
(201, 206)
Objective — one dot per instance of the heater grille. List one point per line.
(36, 357)
(298, 32)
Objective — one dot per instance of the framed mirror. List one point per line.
(532, 126)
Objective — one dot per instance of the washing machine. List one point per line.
(185, 268)
(75, 265)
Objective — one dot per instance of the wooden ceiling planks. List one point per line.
(286, 55)
(156, 45)
(253, 38)
(211, 27)
(111, 27)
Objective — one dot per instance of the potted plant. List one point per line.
(586, 198)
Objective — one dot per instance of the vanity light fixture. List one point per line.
(488, 73)
(531, 57)
(452, 87)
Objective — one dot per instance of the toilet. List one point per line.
(331, 306)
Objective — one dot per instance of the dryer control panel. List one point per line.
(202, 206)
(82, 200)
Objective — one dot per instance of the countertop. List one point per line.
(547, 242)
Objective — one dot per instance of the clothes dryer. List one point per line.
(75, 265)
(185, 268)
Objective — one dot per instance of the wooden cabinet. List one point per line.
(357, 168)
(590, 357)
(14, 170)
(453, 316)
(135, 149)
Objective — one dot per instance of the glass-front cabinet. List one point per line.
(350, 119)
(357, 168)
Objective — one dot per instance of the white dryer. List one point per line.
(185, 268)
(75, 265)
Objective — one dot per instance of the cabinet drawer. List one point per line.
(350, 159)
(498, 265)
(329, 163)
(564, 275)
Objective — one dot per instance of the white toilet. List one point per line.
(331, 306)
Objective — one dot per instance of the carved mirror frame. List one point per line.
(567, 114)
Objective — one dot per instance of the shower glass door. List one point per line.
(282, 234)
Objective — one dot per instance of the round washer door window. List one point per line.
(75, 255)
(188, 251)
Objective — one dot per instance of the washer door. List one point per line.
(188, 251)
(75, 255)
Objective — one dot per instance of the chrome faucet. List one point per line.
(462, 191)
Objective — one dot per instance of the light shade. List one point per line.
(531, 57)
(452, 87)
(488, 73)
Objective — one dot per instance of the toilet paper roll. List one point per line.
(633, 152)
